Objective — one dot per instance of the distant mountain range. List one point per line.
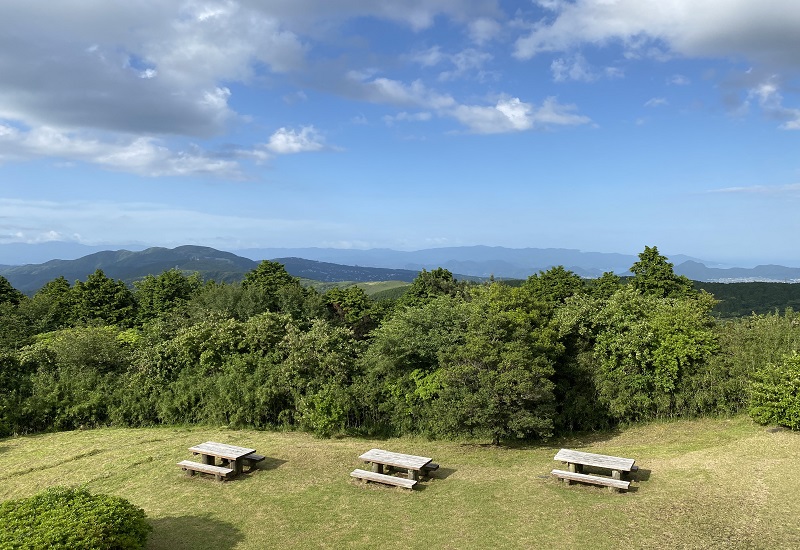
(212, 264)
(334, 265)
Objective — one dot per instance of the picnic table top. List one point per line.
(410, 462)
(222, 450)
(592, 459)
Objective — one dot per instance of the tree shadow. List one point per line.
(570, 441)
(175, 533)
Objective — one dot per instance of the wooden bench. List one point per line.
(383, 478)
(252, 459)
(219, 472)
(609, 482)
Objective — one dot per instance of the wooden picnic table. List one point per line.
(412, 463)
(576, 460)
(232, 455)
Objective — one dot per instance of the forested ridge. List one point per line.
(554, 354)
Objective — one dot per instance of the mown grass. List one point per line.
(704, 484)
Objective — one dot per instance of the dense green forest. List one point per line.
(448, 358)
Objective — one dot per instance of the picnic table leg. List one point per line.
(377, 468)
(615, 474)
(208, 459)
(236, 466)
(413, 475)
(572, 467)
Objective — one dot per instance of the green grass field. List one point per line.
(703, 484)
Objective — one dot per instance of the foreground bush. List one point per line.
(64, 518)
(775, 393)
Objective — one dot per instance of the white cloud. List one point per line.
(656, 102)
(767, 94)
(407, 117)
(395, 92)
(428, 58)
(286, 141)
(484, 29)
(766, 31)
(575, 68)
(142, 155)
(679, 80)
(792, 189)
(513, 115)
(463, 62)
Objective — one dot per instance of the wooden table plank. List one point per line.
(591, 459)
(221, 450)
(399, 460)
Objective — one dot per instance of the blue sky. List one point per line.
(599, 125)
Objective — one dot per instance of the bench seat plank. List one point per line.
(383, 478)
(219, 471)
(597, 480)
(592, 459)
(252, 458)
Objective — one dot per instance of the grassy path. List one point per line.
(704, 484)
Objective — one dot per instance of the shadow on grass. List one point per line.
(270, 463)
(442, 473)
(173, 533)
(570, 441)
(642, 474)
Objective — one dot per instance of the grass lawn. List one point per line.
(703, 484)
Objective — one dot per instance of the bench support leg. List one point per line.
(188, 472)
(615, 474)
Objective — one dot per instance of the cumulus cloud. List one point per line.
(395, 92)
(286, 141)
(513, 115)
(765, 31)
(139, 155)
(484, 29)
(768, 96)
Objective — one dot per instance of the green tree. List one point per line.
(51, 308)
(9, 294)
(352, 307)
(775, 393)
(274, 285)
(103, 299)
(553, 286)
(644, 346)
(497, 384)
(402, 362)
(653, 274)
(157, 295)
(430, 284)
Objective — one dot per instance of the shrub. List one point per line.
(775, 393)
(65, 518)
